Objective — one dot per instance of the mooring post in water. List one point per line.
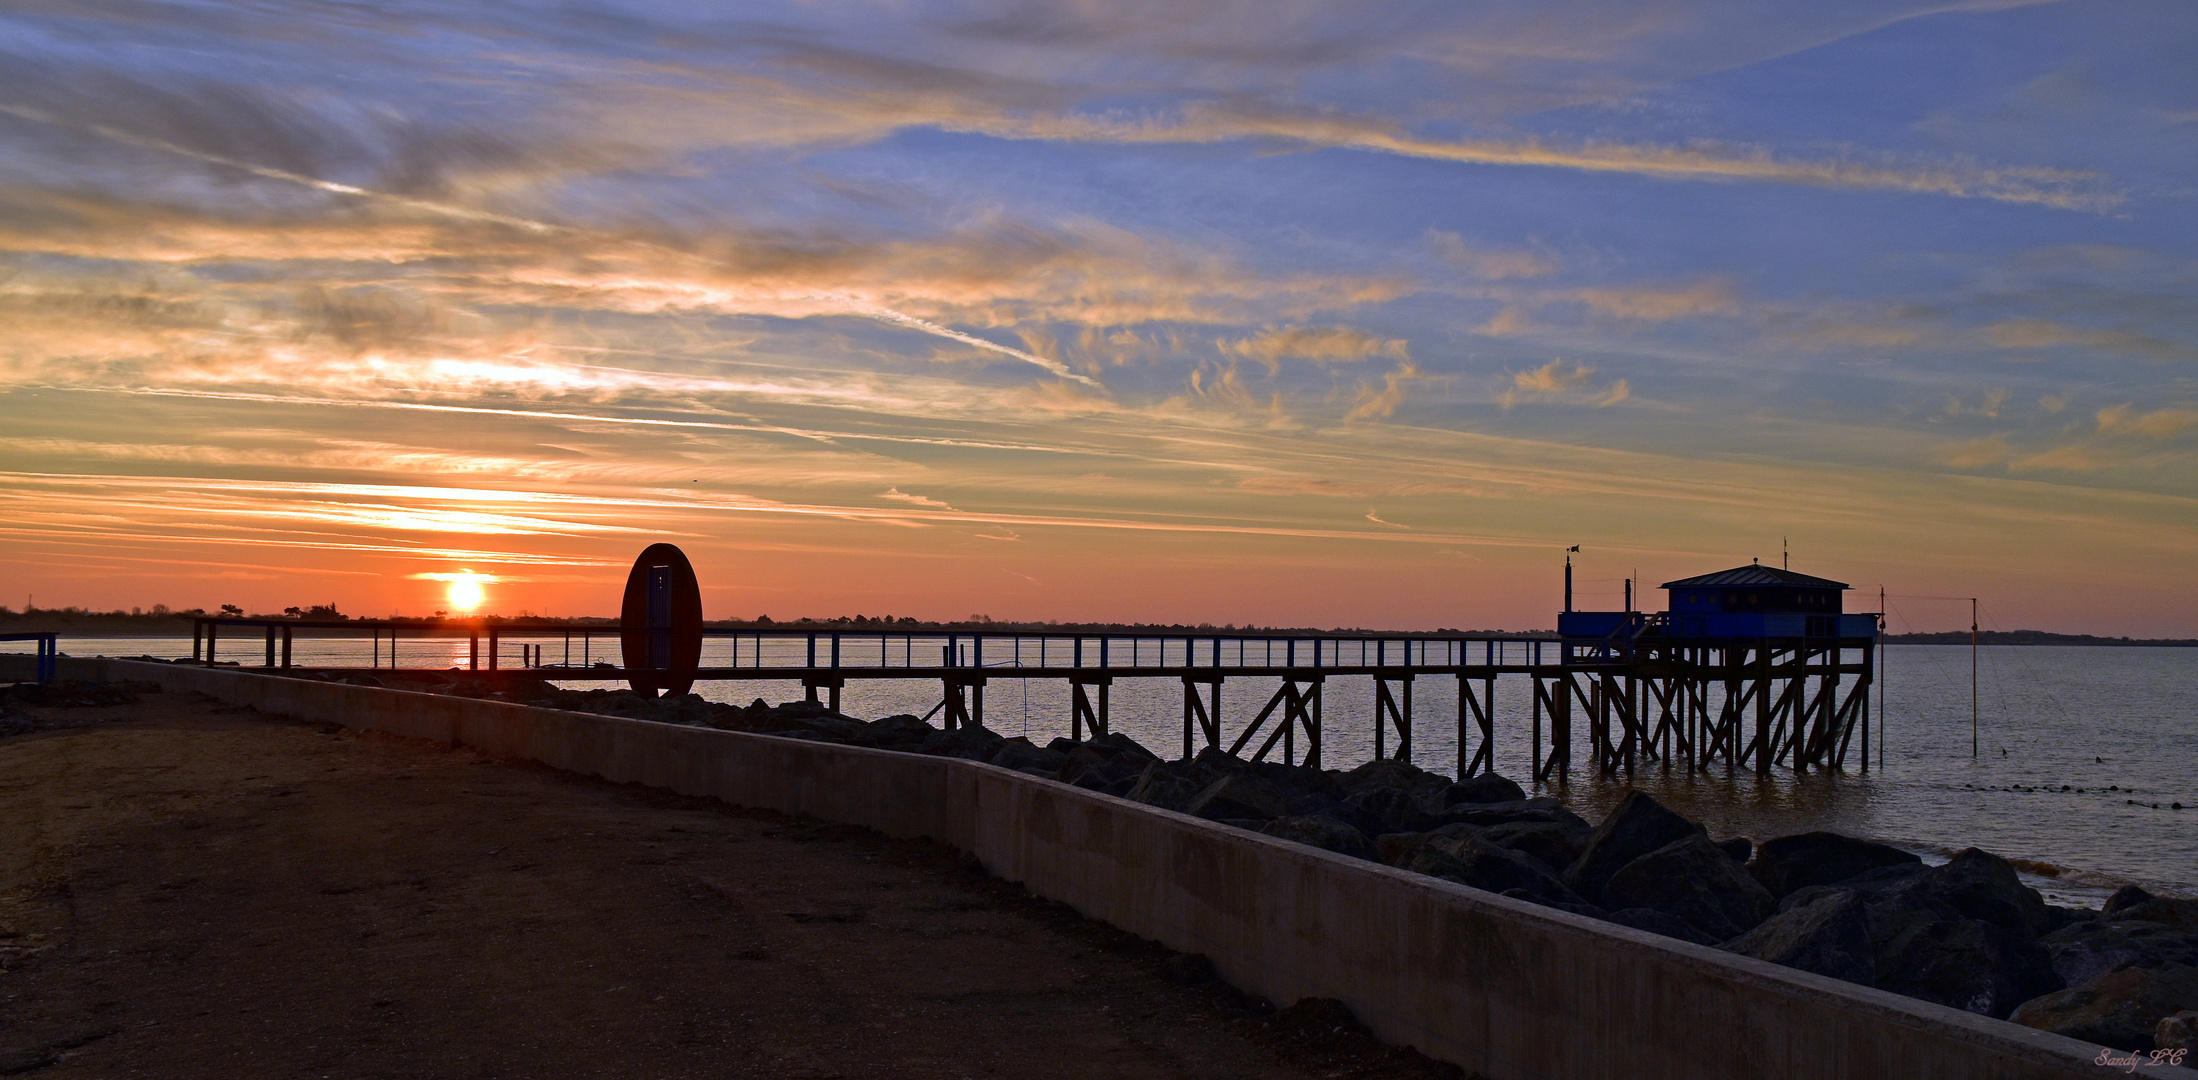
(1972, 676)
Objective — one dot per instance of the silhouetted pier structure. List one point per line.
(1752, 668)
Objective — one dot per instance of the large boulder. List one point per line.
(1485, 788)
(1391, 774)
(1959, 935)
(973, 742)
(1018, 754)
(1160, 786)
(1102, 764)
(1489, 815)
(1398, 849)
(1691, 879)
(2177, 1032)
(1819, 858)
(1368, 823)
(1829, 936)
(1985, 887)
(1116, 744)
(2167, 911)
(2084, 951)
(901, 730)
(1877, 884)
(1554, 843)
(1324, 832)
(1469, 860)
(1297, 781)
(2125, 897)
(1218, 762)
(2120, 1009)
(1966, 964)
(1635, 827)
(832, 726)
(1395, 808)
(1241, 797)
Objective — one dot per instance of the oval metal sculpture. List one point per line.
(660, 624)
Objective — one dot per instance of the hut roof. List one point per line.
(1755, 574)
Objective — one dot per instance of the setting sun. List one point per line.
(465, 591)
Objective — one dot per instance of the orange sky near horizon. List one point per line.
(1295, 529)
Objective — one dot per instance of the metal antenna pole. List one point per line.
(1972, 676)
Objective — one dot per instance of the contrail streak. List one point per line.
(888, 315)
(854, 306)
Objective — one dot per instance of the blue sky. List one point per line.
(1287, 313)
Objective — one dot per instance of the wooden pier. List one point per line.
(1639, 697)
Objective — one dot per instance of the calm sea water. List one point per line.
(2118, 727)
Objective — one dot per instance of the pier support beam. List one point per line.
(964, 702)
(1388, 712)
(1201, 717)
(830, 686)
(1481, 712)
(1553, 696)
(1081, 712)
(1299, 700)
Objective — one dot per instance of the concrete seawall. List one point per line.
(1508, 989)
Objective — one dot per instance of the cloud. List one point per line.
(1988, 405)
(2158, 424)
(2074, 457)
(1874, 332)
(2066, 189)
(2035, 333)
(1658, 303)
(1528, 312)
(1293, 486)
(463, 575)
(1552, 378)
(1380, 403)
(1977, 453)
(487, 105)
(1510, 321)
(898, 495)
(1490, 265)
(1321, 345)
(1552, 382)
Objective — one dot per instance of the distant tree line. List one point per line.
(2030, 637)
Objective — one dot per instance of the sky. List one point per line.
(1283, 313)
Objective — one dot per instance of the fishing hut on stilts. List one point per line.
(1747, 668)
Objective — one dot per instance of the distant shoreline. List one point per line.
(89, 624)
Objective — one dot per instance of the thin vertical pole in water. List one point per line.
(1972, 676)
(1884, 655)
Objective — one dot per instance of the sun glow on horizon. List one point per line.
(465, 590)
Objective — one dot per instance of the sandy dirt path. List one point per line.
(187, 891)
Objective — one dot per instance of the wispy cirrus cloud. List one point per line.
(1489, 264)
(1321, 345)
(1553, 381)
(2066, 189)
(2035, 333)
(2158, 423)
